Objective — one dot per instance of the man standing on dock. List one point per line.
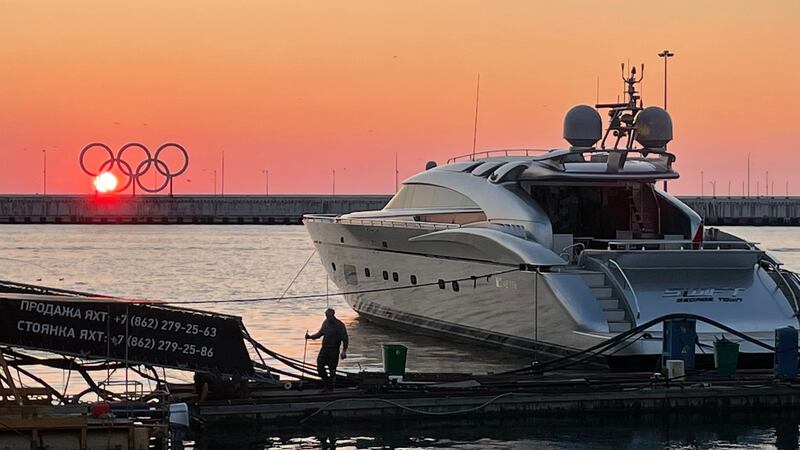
(333, 334)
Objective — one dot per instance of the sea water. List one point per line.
(195, 262)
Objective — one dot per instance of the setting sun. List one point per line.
(105, 182)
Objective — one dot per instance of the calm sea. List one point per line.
(180, 263)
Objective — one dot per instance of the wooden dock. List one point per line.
(523, 397)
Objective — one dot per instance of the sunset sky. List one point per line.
(302, 88)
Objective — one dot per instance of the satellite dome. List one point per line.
(430, 165)
(653, 127)
(583, 126)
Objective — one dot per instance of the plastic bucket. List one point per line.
(726, 357)
(394, 359)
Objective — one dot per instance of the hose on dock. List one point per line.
(406, 408)
(597, 350)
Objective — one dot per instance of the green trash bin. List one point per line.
(394, 359)
(726, 356)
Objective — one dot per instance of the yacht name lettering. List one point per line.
(701, 295)
(505, 283)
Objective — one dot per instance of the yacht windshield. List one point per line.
(429, 196)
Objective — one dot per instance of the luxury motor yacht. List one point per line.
(555, 251)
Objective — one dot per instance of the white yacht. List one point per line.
(557, 250)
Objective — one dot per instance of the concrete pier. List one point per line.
(180, 209)
(746, 210)
(289, 209)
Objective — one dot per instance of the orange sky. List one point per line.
(301, 88)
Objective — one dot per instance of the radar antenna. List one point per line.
(623, 115)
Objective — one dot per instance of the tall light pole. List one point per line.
(333, 186)
(702, 184)
(748, 174)
(666, 54)
(266, 181)
(44, 171)
(223, 174)
(214, 172)
(713, 188)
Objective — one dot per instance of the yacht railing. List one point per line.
(633, 292)
(641, 244)
(778, 270)
(408, 224)
(498, 152)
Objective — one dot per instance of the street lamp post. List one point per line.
(214, 172)
(223, 174)
(266, 181)
(666, 54)
(44, 171)
(333, 188)
(702, 184)
(713, 188)
(748, 174)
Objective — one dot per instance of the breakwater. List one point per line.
(180, 209)
(289, 209)
(746, 210)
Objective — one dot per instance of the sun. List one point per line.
(105, 182)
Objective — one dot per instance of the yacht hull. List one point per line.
(495, 304)
(388, 279)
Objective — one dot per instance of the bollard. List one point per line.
(678, 342)
(786, 362)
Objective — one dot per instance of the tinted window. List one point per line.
(427, 196)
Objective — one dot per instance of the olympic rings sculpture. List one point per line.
(142, 168)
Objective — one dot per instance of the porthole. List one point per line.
(413, 279)
(385, 275)
(384, 244)
(341, 240)
(441, 284)
(366, 272)
(333, 266)
(395, 277)
(456, 288)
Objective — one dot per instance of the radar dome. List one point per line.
(653, 127)
(583, 126)
(430, 165)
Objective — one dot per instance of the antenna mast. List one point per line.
(623, 114)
